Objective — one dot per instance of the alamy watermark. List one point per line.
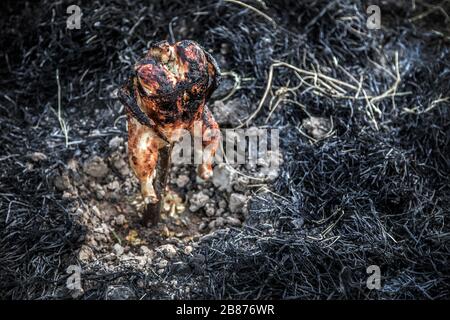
(374, 20)
(251, 146)
(73, 282)
(374, 280)
(74, 20)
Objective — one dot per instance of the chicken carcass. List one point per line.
(167, 91)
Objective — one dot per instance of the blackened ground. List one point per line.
(365, 140)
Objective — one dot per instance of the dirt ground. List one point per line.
(363, 173)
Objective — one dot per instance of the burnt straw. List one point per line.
(375, 191)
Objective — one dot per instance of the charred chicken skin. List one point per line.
(167, 91)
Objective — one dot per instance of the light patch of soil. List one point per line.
(106, 201)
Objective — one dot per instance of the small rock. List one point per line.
(317, 127)
(120, 165)
(188, 250)
(144, 250)
(119, 293)
(168, 250)
(100, 194)
(162, 264)
(222, 204)
(198, 201)
(38, 156)
(237, 202)
(118, 249)
(235, 222)
(222, 177)
(165, 232)
(67, 195)
(182, 180)
(72, 165)
(202, 226)
(210, 210)
(128, 258)
(85, 254)
(115, 142)
(142, 260)
(62, 182)
(120, 220)
(78, 212)
(199, 181)
(96, 168)
(99, 237)
(114, 185)
(96, 211)
(219, 222)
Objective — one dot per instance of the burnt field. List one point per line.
(364, 157)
